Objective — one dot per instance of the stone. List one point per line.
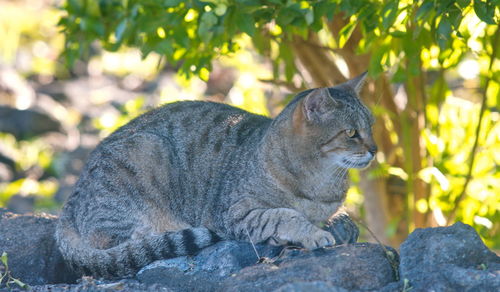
(29, 242)
(450, 258)
(204, 271)
(91, 285)
(316, 286)
(24, 124)
(359, 266)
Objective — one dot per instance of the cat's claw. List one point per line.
(319, 239)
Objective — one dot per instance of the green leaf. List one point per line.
(171, 3)
(309, 16)
(463, 3)
(389, 14)
(246, 24)
(424, 9)
(120, 30)
(287, 56)
(18, 283)
(220, 9)
(287, 16)
(345, 33)
(165, 46)
(455, 16)
(444, 32)
(485, 10)
(375, 67)
(4, 259)
(399, 76)
(207, 21)
(262, 43)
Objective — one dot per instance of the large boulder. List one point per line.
(359, 266)
(205, 271)
(235, 266)
(448, 259)
(29, 243)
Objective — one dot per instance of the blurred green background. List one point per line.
(73, 71)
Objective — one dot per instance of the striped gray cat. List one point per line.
(188, 174)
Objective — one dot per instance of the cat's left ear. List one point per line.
(357, 82)
(317, 103)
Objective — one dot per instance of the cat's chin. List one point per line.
(355, 164)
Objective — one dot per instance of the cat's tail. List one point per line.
(128, 257)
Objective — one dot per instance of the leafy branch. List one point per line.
(472, 155)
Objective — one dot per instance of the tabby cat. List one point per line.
(186, 175)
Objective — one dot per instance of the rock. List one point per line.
(25, 124)
(449, 259)
(359, 266)
(92, 285)
(21, 204)
(29, 242)
(205, 271)
(317, 286)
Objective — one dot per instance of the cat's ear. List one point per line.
(357, 82)
(317, 103)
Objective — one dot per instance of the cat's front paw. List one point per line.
(317, 239)
(343, 229)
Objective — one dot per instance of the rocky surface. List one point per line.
(359, 266)
(32, 253)
(208, 269)
(449, 259)
(434, 259)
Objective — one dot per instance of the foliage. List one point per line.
(29, 156)
(5, 276)
(195, 32)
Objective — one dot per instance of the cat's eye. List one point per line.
(351, 133)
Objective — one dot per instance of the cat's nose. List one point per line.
(372, 149)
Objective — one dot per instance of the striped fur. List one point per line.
(186, 175)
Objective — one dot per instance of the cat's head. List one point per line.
(336, 125)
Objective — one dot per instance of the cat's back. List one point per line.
(186, 122)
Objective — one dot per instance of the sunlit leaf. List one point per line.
(4, 259)
(345, 33)
(389, 13)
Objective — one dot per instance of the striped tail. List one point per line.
(128, 257)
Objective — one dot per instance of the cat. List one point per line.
(188, 174)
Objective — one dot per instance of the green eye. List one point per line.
(351, 133)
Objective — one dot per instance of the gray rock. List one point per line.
(449, 259)
(25, 124)
(360, 266)
(204, 271)
(32, 253)
(92, 285)
(316, 286)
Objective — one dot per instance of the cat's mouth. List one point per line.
(361, 162)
